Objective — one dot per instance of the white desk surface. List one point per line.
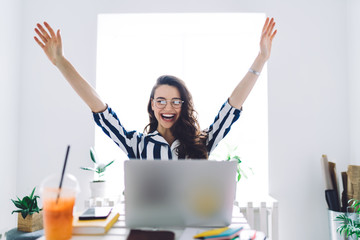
(120, 232)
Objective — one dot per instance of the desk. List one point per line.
(120, 232)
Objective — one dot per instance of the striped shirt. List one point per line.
(153, 146)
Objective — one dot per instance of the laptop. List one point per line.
(182, 193)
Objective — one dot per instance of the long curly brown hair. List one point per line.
(186, 129)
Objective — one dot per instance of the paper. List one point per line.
(189, 233)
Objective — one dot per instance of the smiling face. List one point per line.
(168, 115)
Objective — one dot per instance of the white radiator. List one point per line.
(262, 216)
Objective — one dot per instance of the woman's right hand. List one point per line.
(49, 42)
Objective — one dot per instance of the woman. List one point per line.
(173, 131)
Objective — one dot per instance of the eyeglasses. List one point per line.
(161, 103)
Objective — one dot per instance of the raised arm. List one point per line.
(245, 86)
(52, 46)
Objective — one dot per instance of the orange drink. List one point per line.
(58, 218)
(58, 207)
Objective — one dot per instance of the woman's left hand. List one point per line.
(267, 36)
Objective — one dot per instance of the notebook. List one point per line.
(182, 193)
(94, 227)
(136, 234)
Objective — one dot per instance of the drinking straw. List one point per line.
(63, 172)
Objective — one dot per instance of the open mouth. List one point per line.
(168, 117)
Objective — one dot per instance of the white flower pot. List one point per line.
(98, 189)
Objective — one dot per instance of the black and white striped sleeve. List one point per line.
(111, 126)
(221, 125)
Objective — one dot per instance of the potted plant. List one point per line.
(98, 185)
(30, 216)
(231, 155)
(349, 222)
(240, 171)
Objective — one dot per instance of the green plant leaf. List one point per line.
(27, 205)
(347, 226)
(100, 168)
(24, 213)
(16, 211)
(33, 204)
(243, 173)
(27, 201)
(18, 204)
(108, 164)
(237, 158)
(32, 193)
(89, 169)
(36, 210)
(93, 155)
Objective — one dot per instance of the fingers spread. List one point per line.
(40, 35)
(43, 31)
(51, 31)
(271, 28)
(265, 24)
(58, 35)
(268, 27)
(40, 43)
(273, 35)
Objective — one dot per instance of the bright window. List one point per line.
(211, 52)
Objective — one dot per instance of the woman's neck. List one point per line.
(167, 135)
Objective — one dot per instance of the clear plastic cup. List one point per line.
(58, 206)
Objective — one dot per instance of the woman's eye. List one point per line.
(176, 102)
(162, 102)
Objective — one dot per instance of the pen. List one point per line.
(253, 237)
(212, 232)
(230, 233)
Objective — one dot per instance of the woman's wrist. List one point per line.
(254, 72)
(261, 58)
(258, 65)
(60, 62)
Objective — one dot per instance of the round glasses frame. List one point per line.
(161, 103)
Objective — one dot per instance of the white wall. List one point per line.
(308, 96)
(308, 112)
(9, 98)
(353, 33)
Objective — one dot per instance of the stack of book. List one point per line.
(96, 226)
(220, 234)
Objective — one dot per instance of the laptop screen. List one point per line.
(179, 193)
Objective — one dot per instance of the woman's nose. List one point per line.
(168, 106)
